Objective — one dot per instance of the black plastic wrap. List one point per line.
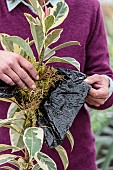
(61, 108)
(6, 91)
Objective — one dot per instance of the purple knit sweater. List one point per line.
(84, 24)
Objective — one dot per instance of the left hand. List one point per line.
(100, 90)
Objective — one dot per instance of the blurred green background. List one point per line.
(102, 121)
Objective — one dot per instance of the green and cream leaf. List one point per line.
(48, 22)
(35, 4)
(15, 137)
(38, 36)
(63, 45)
(52, 37)
(6, 158)
(8, 121)
(36, 167)
(11, 110)
(20, 42)
(33, 140)
(4, 45)
(67, 60)
(48, 50)
(71, 139)
(63, 155)
(7, 168)
(7, 45)
(42, 165)
(60, 12)
(47, 161)
(30, 18)
(15, 163)
(38, 9)
(4, 147)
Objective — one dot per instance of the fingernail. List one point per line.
(33, 86)
(25, 88)
(37, 77)
(86, 80)
(12, 84)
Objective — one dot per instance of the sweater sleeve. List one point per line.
(97, 55)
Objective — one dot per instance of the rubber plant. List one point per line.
(25, 135)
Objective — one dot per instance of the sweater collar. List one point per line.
(11, 4)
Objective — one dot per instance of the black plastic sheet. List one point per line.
(61, 107)
(6, 91)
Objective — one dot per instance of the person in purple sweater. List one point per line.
(84, 24)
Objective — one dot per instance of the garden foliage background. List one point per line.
(102, 121)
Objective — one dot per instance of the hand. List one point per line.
(14, 69)
(99, 91)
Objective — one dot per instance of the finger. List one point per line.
(97, 101)
(99, 93)
(15, 78)
(96, 86)
(92, 79)
(7, 79)
(25, 77)
(28, 67)
(90, 102)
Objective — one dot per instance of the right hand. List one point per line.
(14, 69)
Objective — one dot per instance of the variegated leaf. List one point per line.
(40, 13)
(35, 4)
(33, 140)
(36, 167)
(46, 162)
(52, 37)
(4, 147)
(23, 164)
(15, 163)
(30, 18)
(7, 45)
(6, 158)
(66, 44)
(48, 22)
(15, 137)
(47, 50)
(7, 168)
(20, 42)
(7, 121)
(16, 48)
(42, 166)
(60, 12)
(38, 22)
(38, 36)
(38, 9)
(2, 35)
(67, 60)
(14, 127)
(71, 139)
(11, 110)
(63, 155)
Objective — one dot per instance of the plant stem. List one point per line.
(26, 155)
(41, 57)
(27, 158)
